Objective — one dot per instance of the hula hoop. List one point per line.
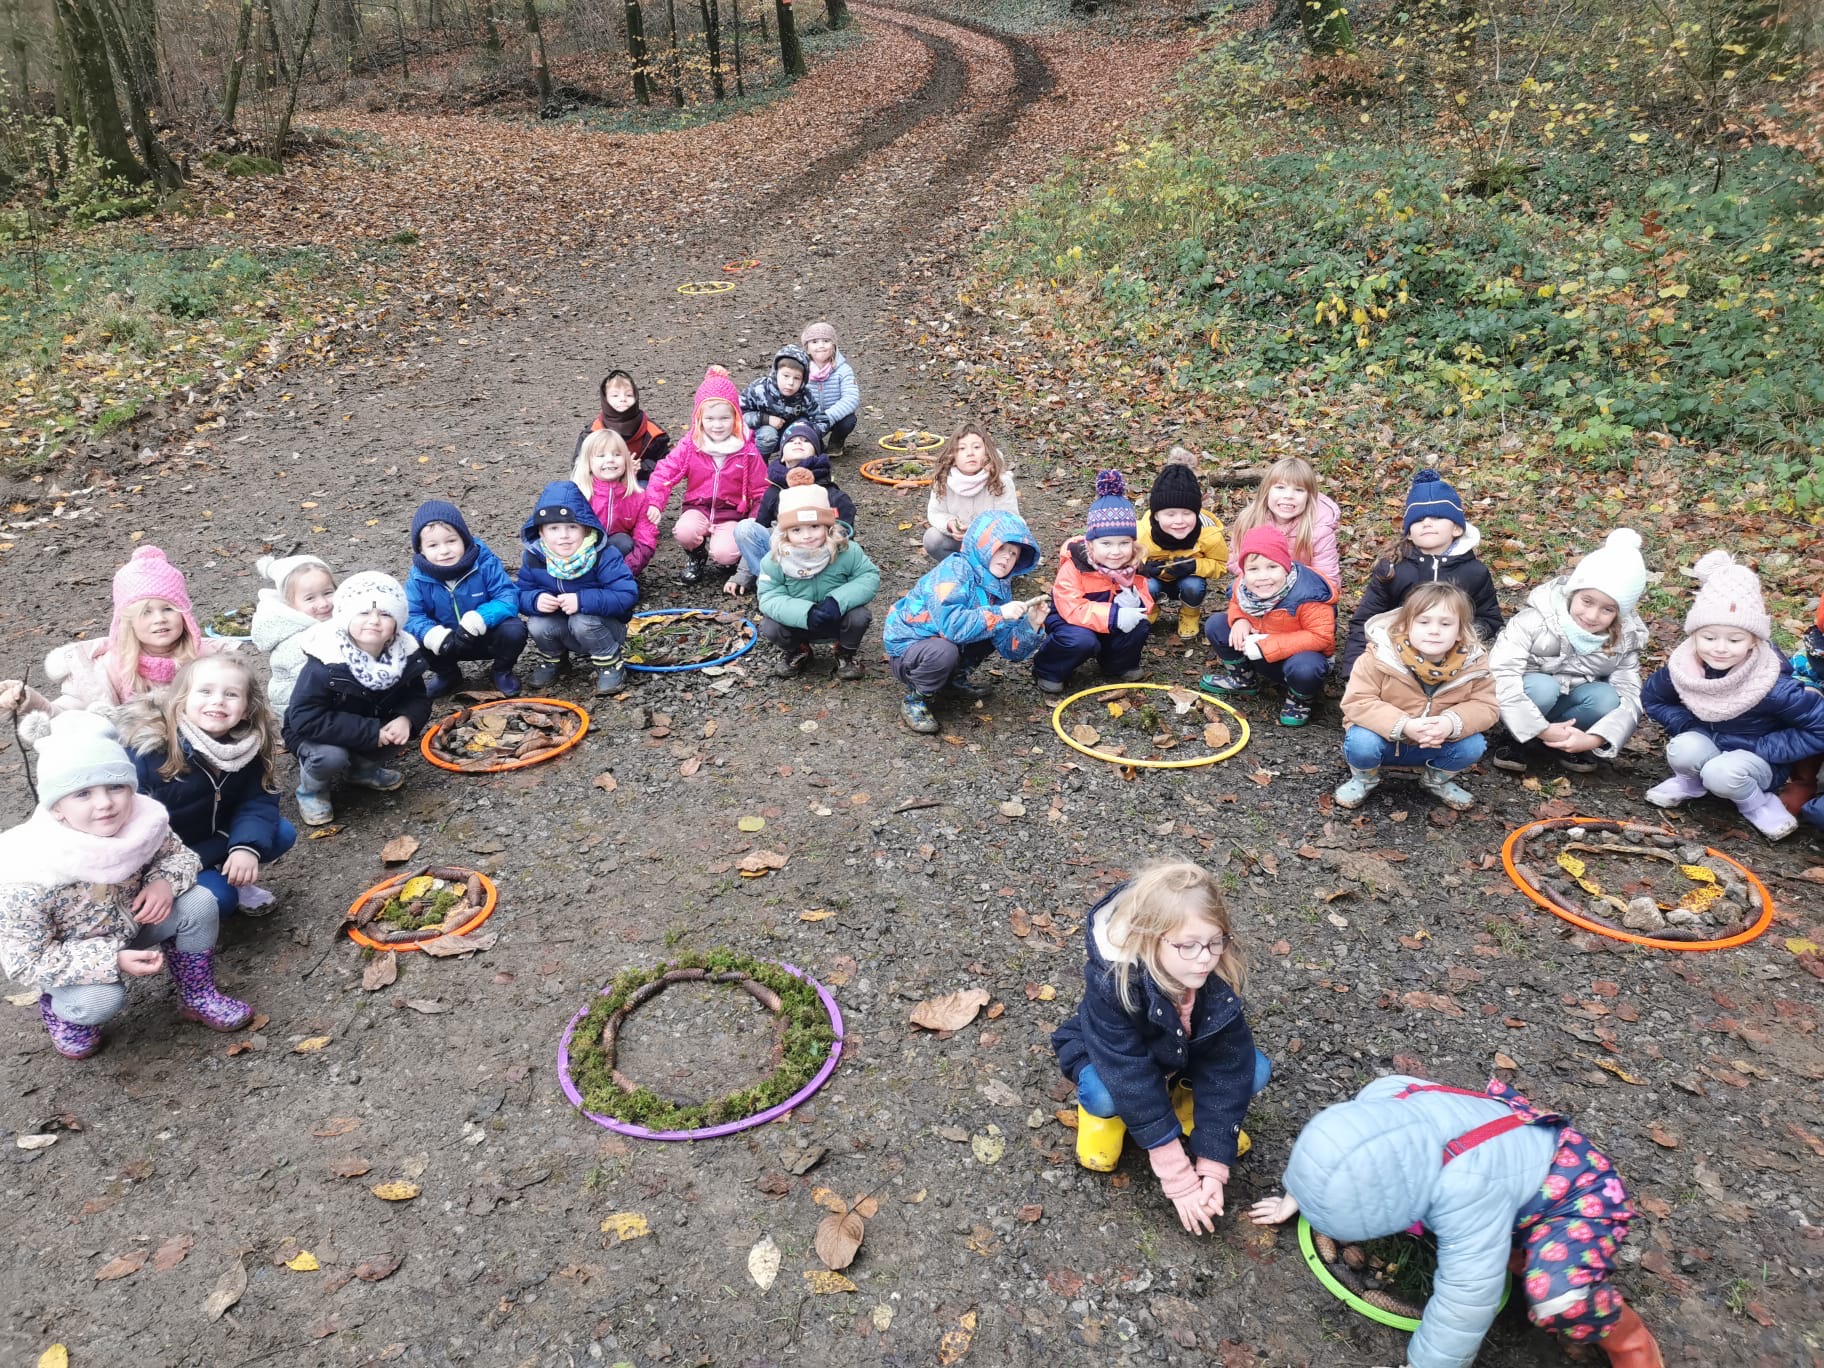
(917, 440)
(424, 745)
(1652, 942)
(1348, 1298)
(736, 267)
(706, 287)
(715, 1132)
(753, 637)
(360, 937)
(1057, 725)
(870, 470)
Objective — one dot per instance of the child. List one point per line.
(1421, 694)
(815, 584)
(831, 383)
(1099, 602)
(575, 589)
(971, 478)
(1287, 498)
(1181, 547)
(1735, 718)
(1567, 666)
(962, 612)
(154, 632)
(203, 748)
(1159, 1045)
(93, 883)
(622, 415)
(1501, 1184)
(1437, 543)
(300, 595)
(359, 698)
(800, 447)
(1801, 792)
(779, 398)
(462, 605)
(604, 472)
(1281, 625)
(723, 475)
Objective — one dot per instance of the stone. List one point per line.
(1643, 914)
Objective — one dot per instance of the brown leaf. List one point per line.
(606, 782)
(759, 861)
(1665, 1139)
(1261, 777)
(1217, 736)
(1280, 947)
(427, 1006)
(1031, 1213)
(1020, 922)
(774, 1184)
(1503, 1061)
(379, 1267)
(1084, 734)
(838, 1237)
(441, 947)
(124, 1266)
(399, 850)
(1813, 875)
(171, 1253)
(951, 1012)
(353, 1166)
(1555, 807)
(691, 766)
(336, 1125)
(381, 972)
(229, 1289)
(1437, 1002)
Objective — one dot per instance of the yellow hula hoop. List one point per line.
(1057, 725)
(920, 440)
(706, 287)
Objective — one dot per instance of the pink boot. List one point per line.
(1769, 815)
(67, 1038)
(197, 996)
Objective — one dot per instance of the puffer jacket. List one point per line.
(819, 466)
(1084, 596)
(838, 394)
(1325, 558)
(1785, 727)
(331, 706)
(959, 597)
(439, 596)
(279, 630)
(619, 511)
(1210, 550)
(1374, 1165)
(212, 813)
(1531, 644)
(606, 589)
(723, 493)
(1304, 620)
(1458, 564)
(850, 578)
(762, 399)
(1135, 1052)
(1383, 693)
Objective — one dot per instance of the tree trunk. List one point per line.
(791, 56)
(138, 24)
(405, 70)
(282, 133)
(92, 91)
(712, 38)
(231, 96)
(677, 62)
(1326, 25)
(541, 65)
(838, 11)
(134, 87)
(740, 89)
(636, 52)
(489, 26)
(345, 27)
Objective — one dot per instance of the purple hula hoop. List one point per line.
(779, 1109)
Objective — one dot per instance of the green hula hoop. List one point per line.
(1057, 725)
(1349, 1299)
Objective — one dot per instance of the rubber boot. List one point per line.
(964, 685)
(1680, 788)
(1354, 790)
(1630, 1344)
(1442, 785)
(794, 658)
(915, 712)
(198, 999)
(1099, 1141)
(67, 1038)
(1190, 621)
(1768, 815)
(507, 682)
(314, 805)
(1225, 678)
(437, 684)
(1182, 1105)
(848, 664)
(695, 563)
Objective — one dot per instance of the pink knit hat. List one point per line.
(716, 386)
(1728, 595)
(1265, 540)
(148, 575)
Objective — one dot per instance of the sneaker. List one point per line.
(507, 682)
(1442, 785)
(314, 806)
(1133, 676)
(1579, 762)
(1680, 788)
(436, 685)
(1512, 756)
(793, 660)
(1230, 679)
(1354, 790)
(1048, 686)
(963, 684)
(915, 712)
(694, 565)
(544, 674)
(848, 664)
(1296, 710)
(610, 673)
(371, 774)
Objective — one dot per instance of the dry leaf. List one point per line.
(830, 1200)
(955, 1343)
(866, 1207)
(443, 947)
(815, 914)
(838, 1237)
(1503, 1061)
(229, 1289)
(381, 972)
(1013, 807)
(690, 766)
(1085, 734)
(606, 782)
(988, 1147)
(428, 1006)
(395, 1191)
(124, 1266)
(627, 1225)
(171, 1253)
(352, 1167)
(1262, 777)
(1661, 1137)
(304, 1262)
(310, 1046)
(1183, 700)
(323, 833)
(1030, 1213)
(399, 850)
(54, 1357)
(1217, 735)
(951, 1012)
(336, 1125)
(759, 861)
(882, 1316)
(35, 1142)
(820, 1282)
(378, 1268)
(1813, 875)
(751, 824)
(763, 1263)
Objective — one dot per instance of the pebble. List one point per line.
(1643, 914)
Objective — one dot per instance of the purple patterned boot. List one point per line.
(197, 996)
(67, 1038)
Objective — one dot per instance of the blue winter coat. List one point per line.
(837, 394)
(606, 589)
(1388, 586)
(1136, 1052)
(1372, 1166)
(958, 598)
(330, 706)
(1783, 728)
(214, 813)
(439, 595)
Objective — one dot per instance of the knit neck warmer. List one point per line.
(966, 486)
(823, 372)
(1165, 541)
(43, 850)
(157, 669)
(577, 563)
(1257, 607)
(1717, 698)
(380, 672)
(1122, 577)
(728, 446)
(625, 424)
(804, 563)
(223, 755)
(446, 573)
(1580, 640)
(1431, 674)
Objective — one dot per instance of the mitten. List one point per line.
(473, 623)
(825, 616)
(434, 639)
(1127, 616)
(1252, 649)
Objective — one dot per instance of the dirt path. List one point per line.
(930, 883)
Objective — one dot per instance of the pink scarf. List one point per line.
(1123, 578)
(1727, 696)
(158, 669)
(42, 850)
(824, 372)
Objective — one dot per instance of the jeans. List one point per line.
(1189, 591)
(1736, 775)
(227, 896)
(1093, 1095)
(190, 928)
(929, 662)
(557, 634)
(1068, 646)
(1366, 750)
(501, 645)
(1583, 707)
(321, 764)
(848, 635)
(766, 436)
(1302, 673)
(940, 544)
(754, 542)
(693, 531)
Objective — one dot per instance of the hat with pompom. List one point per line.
(148, 575)
(804, 502)
(278, 569)
(1728, 595)
(369, 591)
(1432, 496)
(1112, 514)
(1614, 569)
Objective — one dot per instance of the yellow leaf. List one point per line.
(1116, 709)
(1800, 946)
(627, 1225)
(751, 824)
(416, 888)
(830, 1200)
(310, 1046)
(306, 1262)
(955, 1343)
(1571, 865)
(821, 1282)
(1611, 1066)
(814, 914)
(54, 1357)
(1698, 874)
(1047, 993)
(395, 1191)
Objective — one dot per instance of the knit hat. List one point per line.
(148, 575)
(804, 501)
(1111, 515)
(1614, 569)
(817, 332)
(1431, 496)
(368, 591)
(716, 388)
(1728, 595)
(1265, 540)
(81, 751)
(1175, 487)
(805, 429)
(278, 569)
(792, 355)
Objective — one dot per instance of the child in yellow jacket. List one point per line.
(1182, 548)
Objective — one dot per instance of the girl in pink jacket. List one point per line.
(605, 472)
(723, 474)
(1288, 499)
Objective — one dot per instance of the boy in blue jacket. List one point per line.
(574, 588)
(463, 606)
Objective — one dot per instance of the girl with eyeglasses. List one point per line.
(1159, 1045)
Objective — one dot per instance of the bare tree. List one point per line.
(636, 52)
(791, 56)
(541, 64)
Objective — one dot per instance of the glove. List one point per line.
(434, 639)
(1175, 570)
(1252, 649)
(473, 623)
(1127, 616)
(825, 616)
(1179, 1181)
(1012, 609)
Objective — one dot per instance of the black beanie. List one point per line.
(1176, 487)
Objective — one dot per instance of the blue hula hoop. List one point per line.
(753, 638)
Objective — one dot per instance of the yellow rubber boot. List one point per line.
(1190, 621)
(1099, 1141)
(1181, 1103)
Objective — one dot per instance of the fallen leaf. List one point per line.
(606, 782)
(1261, 777)
(830, 1200)
(821, 1282)
(26, 999)
(882, 1316)
(1082, 733)
(172, 1252)
(1665, 1139)
(336, 1125)
(54, 1357)
(1013, 807)
(1217, 735)
(955, 1343)
(352, 1167)
(399, 850)
(35, 1142)
(323, 833)
(951, 1012)
(763, 1262)
(1813, 875)
(1031, 1213)
(1611, 1066)
(428, 1006)
(229, 1289)
(751, 824)
(690, 766)
(443, 947)
(395, 1191)
(759, 861)
(304, 1262)
(1020, 921)
(1801, 946)
(310, 1046)
(382, 971)
(627, 1225)
(123, 1266)
(867, 1208)
(378, 1267)
(838, 1237)
(988, 1147)
(1503, 1061)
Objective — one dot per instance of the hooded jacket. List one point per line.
(1458, 564)
(606, 589)
(819, 466)
(1374, 1165)
(1325, 558)
(850, 578)
(330, 706)
(439, 595)
(1209, 550)
(838, 394)
(1084, 596)
(1531, 643)
(1785, 727)
(1136, 1051)
(212, 813)
(762, 399)
(723, 493)
(278, 629)
(959, 597)
(619, 511)
(1304, 620)
(1383, 693)
(649, 443)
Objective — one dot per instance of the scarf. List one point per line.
(223, 755)
(1257, 607)
(625, 425)
(821, 373)
(966, 486)
(801, 564)
(576, 564)
(158, 669)
(378, 673)
(1718, 698)
(1165, 541)
(42, 850)
(1580, 641)
(1123, 578)
(1431, 674)
(721, 450)
(446, 573)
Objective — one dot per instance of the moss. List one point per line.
(434, 909)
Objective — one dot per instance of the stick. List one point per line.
(25, 750)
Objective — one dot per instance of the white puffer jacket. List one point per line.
(1531, 643)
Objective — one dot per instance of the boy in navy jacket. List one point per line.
(463, 605)
(574, 588)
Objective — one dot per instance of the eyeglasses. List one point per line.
(1198, 949)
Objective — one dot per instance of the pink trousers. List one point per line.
(693, 529)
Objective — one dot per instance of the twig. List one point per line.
(25, 750)
(914, 804)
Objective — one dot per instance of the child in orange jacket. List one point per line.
(1100, 601)
(1281, 626)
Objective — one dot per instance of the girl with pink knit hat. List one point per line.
(154, 632)
(723, 475)
(1735, 719)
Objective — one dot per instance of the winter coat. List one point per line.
(724, 493)
(940, 509)
(1209, 552)
(648, 447)
(1531, 644)
(80, 670)
(279, 630)
(1304, 620)
(851, 579)
(1458, 564)
(607, 589)
(819, 466)
(438, 597)
(1136, 1052)
(1785, 727)
(1383, 693)
(1325, 558)
(1808, 661)
(214, 813)
(333, 708)
(762, 400)
(959, 597)
(1083, 595)
(838, 394)
(619, 511)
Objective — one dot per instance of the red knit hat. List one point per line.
(1265, 540)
